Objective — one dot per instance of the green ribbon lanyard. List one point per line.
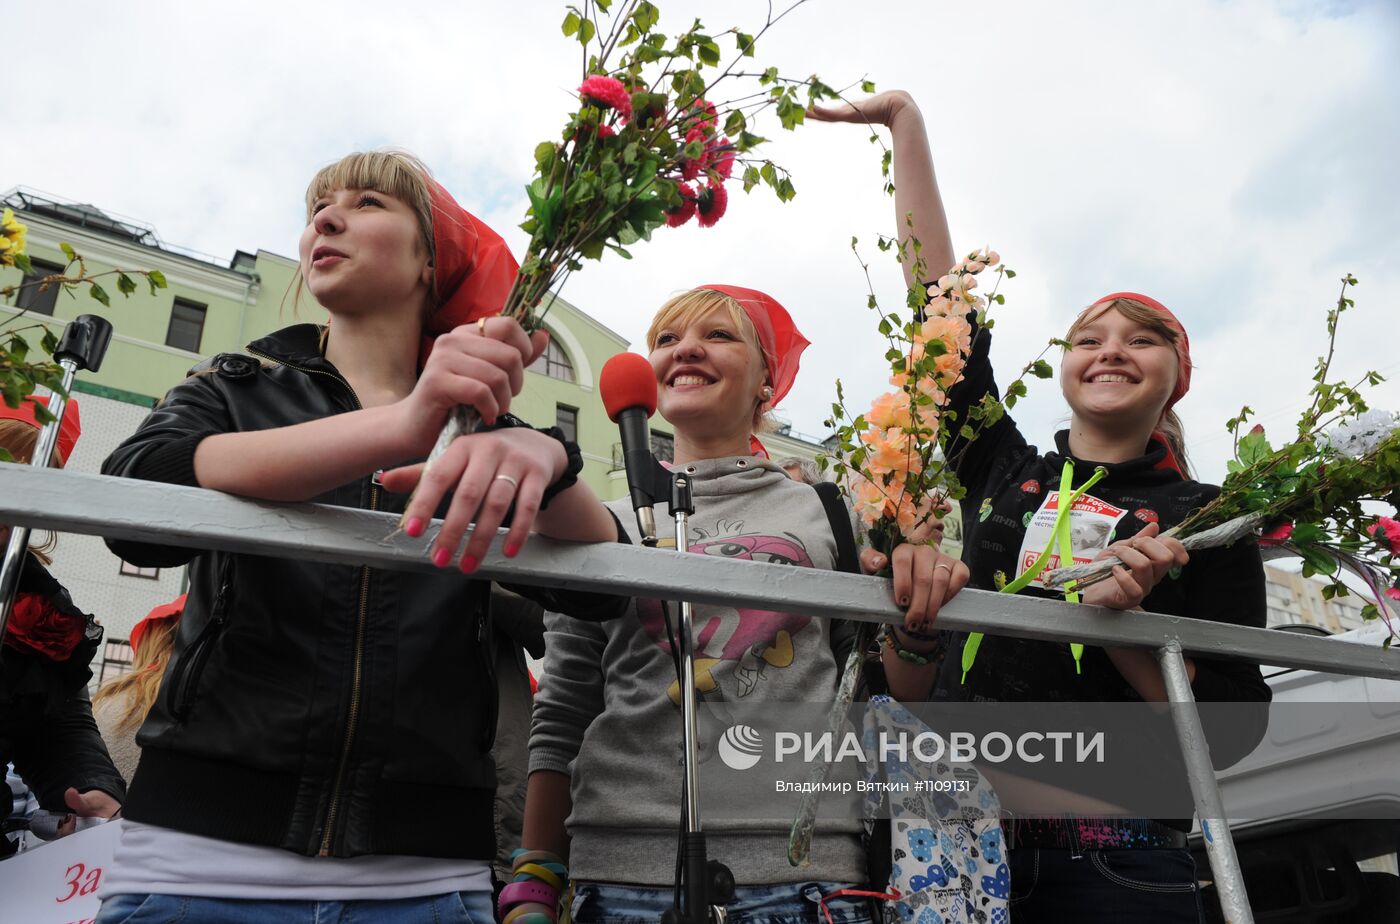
(1059, 538)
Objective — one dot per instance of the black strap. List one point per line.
(847, 559)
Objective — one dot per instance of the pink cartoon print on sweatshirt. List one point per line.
(756, 641)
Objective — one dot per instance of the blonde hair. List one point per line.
(21, 438)
(1169, 423)
(139, 687)
(687, 308)
(392, 172)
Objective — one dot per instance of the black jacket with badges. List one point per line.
(46, 724)
(322, 708)
(1007, 482)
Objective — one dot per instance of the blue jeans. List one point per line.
(450, 908)
(1049, 886)
(784, 903)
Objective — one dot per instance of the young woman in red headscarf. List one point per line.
(1128, 364)
(323, 731)
(46, 724)
(606, 742)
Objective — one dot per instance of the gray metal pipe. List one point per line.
(1200, 773)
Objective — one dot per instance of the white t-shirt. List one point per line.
(161, 861)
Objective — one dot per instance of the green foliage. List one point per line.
(609, 180)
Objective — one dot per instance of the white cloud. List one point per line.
(1232, 159)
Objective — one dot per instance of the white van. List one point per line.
(1302, 865)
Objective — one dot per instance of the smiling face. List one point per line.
(710, 375)
(1119, 371)
(363, 250)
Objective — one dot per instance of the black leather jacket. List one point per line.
(325, 709)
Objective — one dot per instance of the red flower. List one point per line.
(1393, 593)
(714, 199)
(1278, 535)
(690, 169)
(1391, 530)
(607, 93)
(601, 131)
(37, 625)
(701, 115)
(679, 216)
(721, 157)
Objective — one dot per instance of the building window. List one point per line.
(135, 571)
(663, 446)
(116, 660)
(566, 419)
(31, 299)
(186, 325)
(554, 362)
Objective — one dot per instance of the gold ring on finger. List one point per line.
(513, 483)
(481, 326)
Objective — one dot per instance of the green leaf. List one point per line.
(1319, 561)
(745, 44)
(49, 342)
(156, 279)
(586, 31)
(867, 86)
(68, 252)
(1254, 448)
(735, 123)
(571, 23)
(709, 52)
(23, 264)
(99, 293)
(125, 284)
(646, 16)
(1042, 370)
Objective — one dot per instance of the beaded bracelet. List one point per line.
(891, 641)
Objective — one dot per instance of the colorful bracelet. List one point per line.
(538, 878)
(891, 641)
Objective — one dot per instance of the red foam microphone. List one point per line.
(628, 387)
(628, 381)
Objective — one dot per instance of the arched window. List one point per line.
(554, 362)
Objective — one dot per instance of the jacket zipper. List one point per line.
(357, 668)
(182, 691)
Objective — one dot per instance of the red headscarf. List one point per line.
(472, 266)
(1183, 360)
(68, 431)
(171, 610)
(778, 339)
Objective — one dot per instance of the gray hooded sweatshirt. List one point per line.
(607, 709)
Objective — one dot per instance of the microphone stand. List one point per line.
(708, 884)
(83, 345)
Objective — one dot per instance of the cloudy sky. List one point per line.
(1233, 159)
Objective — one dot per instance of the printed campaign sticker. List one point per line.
(1091, 525)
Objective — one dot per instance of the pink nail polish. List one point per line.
(441, 557)
(512, 549)
(414, 527)
(469, 563)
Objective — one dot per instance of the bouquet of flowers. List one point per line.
(1308, 495)
(898, 458)
(661, 131)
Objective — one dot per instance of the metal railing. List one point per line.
(173, 515)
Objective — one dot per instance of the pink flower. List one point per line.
(1393, 593)
(607, 93)
(1278, 535)
(690, 168)
(891, 411)
(721, 157)
(1390, 530)
(686, 210)
(702, 115)
(714, 199)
